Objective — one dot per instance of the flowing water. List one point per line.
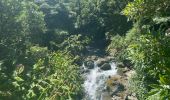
(95, 79)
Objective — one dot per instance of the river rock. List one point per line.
(115, 85)
(131, 98)
(127, 63)
(110, 59)
(120, 65)
(122, 71)
(91, 58)
(107, 59)
(105, 66)
(106, 96)
(117, 88)
(100, 62)
(89, 64)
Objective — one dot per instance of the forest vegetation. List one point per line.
(43, 42)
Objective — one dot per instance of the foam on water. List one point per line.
(95, 80)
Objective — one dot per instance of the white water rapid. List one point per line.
(95, 79)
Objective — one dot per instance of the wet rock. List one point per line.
(120, 65)
(127, 63)
(117, 88)
(131, 98)
(86, 71)
(106, 96)
(112, 82)
(110, 59)
(100, 62)
(167, 32)
(105, 66)
(83, 71)
(130, 73)
(122, 71)
(89, 64)
(116, 98)
(92, 58)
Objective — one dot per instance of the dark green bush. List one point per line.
(150, 56)
(119, 44)
(40, 75)
(137, 85)
(54, 77)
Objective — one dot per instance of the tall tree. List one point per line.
(19, 21)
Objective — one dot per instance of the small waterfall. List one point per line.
(95, 80)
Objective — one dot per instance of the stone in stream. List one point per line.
(116, 87)
(106, 96)
(127, 63)
(120, 65)
(94, 58)
(122, 71)
(89, 64)
(105, 66)
(101, 61)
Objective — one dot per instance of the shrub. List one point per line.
(119, 44)
(75, 44)
(51, 77)
(151, 60)
(117, 47)
(138, 86)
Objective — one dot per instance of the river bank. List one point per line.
(105, 78)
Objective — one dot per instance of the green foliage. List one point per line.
(75, 44)
(146, 9)
(137, 85)
(20, 19)
(34, 53)
(53, 77)
(91, 18)
(149, 52)
(137, 51)
(54, 38)
(28, 71)
(119, 44)
(100, 16)
(161, 91)
(117, 47)
(152, 63)
(56, 78)
(30, 30)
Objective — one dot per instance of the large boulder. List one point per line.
(115, 85)
(105, 66)
(101, 61)
(89, 64)
(120, 65)
(93, 57)
(110, 59)
(127, 63)
(106, 96)
(122, 71)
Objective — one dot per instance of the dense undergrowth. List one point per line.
(147, 46)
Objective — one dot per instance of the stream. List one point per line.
(95, 81)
